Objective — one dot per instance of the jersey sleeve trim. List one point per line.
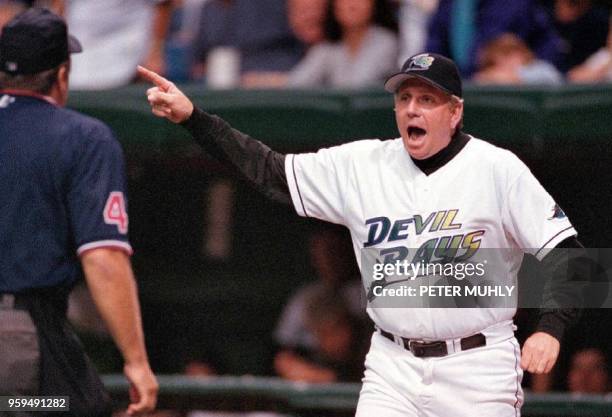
(294, 188)
(124, 246)
(554, 241)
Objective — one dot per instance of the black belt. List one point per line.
(14, 301)
(438, 348)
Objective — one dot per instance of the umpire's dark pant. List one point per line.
(19, 351)
(41, 355)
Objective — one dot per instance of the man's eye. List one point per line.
(427, 99)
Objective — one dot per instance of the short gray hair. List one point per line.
(454, 102)
(40, 83)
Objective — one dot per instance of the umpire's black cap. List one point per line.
(34, 41)
(435, 69)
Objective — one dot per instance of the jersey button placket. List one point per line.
(421, 188)
(423, 184)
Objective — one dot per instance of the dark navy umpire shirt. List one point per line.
(62, 187)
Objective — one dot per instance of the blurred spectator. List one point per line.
(10, 9)
(541, 383)
(56, 6)
(199, 369)
(583, 28)
(597, 68)
(458, 29)
(361, 49)
(116, 35)
(414, 17)
(307, 20)
(588, 373)
(190, 16)
(336, 270)
(181, 34)
(507, 60)
(340, 348)
(257, 31)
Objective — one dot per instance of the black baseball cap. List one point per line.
(34, 41)
(435, 69)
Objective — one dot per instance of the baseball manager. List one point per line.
(63, 215)
(427, 361)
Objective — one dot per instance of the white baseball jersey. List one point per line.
(484, 197)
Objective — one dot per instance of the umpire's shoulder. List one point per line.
(87, 130)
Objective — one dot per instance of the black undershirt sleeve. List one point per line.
(259, 164)
(556, 321)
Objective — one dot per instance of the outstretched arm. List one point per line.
(261, 165)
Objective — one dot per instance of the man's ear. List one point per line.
(60, 93)
(456, 113)
(62, 74)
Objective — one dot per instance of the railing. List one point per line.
(274, 394)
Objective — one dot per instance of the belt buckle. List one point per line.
(420, 348)
(417, 347)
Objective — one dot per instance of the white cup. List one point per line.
(223, 68)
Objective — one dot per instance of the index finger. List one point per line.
(154, 78)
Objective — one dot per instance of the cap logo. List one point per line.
(421, 62)
(10, 66)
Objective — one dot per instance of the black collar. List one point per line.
(437, 161)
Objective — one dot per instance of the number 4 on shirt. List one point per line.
(115, 213)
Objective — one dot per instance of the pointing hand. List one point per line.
(165, 98)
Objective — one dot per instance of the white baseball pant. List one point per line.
(484, 381)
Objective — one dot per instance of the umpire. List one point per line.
(62, 216)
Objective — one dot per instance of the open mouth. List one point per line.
(416, 133)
